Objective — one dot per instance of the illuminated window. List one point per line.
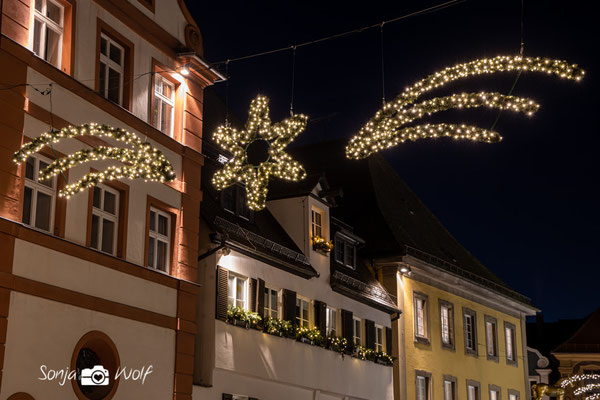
(237, 291)
(423, 382)
(421, 316)
(470, 329)
(159, 240)
(491, 337)
(357, 333)
(473, 390)
(379, 338)
(105, 211)
(447, 324)
(449, 388)
(164, 104)
(47, 35)
(38, 196)
(510, 341)
(331, 321)
(317, 228)
(302, 312)
(270, 301)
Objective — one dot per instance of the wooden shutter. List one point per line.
(289, 306)
(389, 342)
(253, 289)
(348, 327)
(369, 334)
(320, 316)
(222, 282)
(260, 298)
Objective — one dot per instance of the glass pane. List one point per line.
(43, 211)
(108, 235)
(165, 119)
(38, 5)
(102, 82)
(110, 202)
(95, 227)
(52, 45)
(156, 113)
(153, 221)
(115, 54)
(114, 85)
(161, 252)
(239, 290)
(37, 36)
(151, 252)
(30, 168)
(297, 308)
(231, 288)
(274, 300)
(103, 45)
(163, 222)
(54, 12)
(97, 196)
(167, 90)
(305, 309)
(47, 182)
(266, 301)
(27, 205)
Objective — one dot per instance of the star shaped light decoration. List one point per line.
(258, 152)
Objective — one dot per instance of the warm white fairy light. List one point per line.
(279, 163)
(587, 388)
(142, 160)
(385, 129)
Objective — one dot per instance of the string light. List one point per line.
(143, 161)
(587, 388)
(278, 163)
(385, 130)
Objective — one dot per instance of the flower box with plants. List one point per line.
(239, 317)
(321, 245)
(383, 358)
(309, 335)
(278, 327)
(364, 353)
(337, 343)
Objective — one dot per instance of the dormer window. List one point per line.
(345, 252)
(233, 199)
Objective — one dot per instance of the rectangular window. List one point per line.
(494, 395)
(105, 219)
(423, 382)
(421, 316)
(449, 388)
(345, 252)
(233, 199)
(447, 324)
(302, 312)
(159, 240)
(472, 392)
(271, 303)
(39, 196)
(112, 69)
(491, 338)
(513, 394)
(317, 223)
(237, 291)
(164, 104)
(357, 331)
(510, 341)
(47, 32)
(470, 327)
(331, 322)
(379, 344)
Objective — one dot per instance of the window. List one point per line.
(159, 240)
(345, 252)
(331, 321)
(237, 291)
(491, 338)
(302, 312)
(449, 387)
(317, 223)
(423, 382)
(379, 345)
(470, 326)
(511, 349)
(105, 211)
(472, 390)
(47, 33)
(513, 394)
(233, 199)
(38, 196)
(495, 392)
(164, 104)
(112, 69)
(421, 316)
(447, 324)
(271, 303)
(357, 331)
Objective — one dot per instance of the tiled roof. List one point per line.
(586, 339)
(372, 293)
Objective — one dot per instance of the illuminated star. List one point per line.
(258, 152)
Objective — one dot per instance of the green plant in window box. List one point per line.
(337, 343)
(364, 353)
(309, 335)
(321, 245)
(240, 317)
(278, 327)
(381, 357)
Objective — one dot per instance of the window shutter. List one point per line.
(260, 298)
(320, 316)
(389, 342)
(289, 306)
(369, 334)
(221, 303)
(348, 327)
(253, 289)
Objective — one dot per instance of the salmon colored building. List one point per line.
(108, 276)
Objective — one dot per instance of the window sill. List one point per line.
(492, 358)
(422, 340)
(471, 353)
(449, 347)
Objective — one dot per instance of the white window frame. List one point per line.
(472, 389)
(269, 310)
(232, 296)
(331, 321)
(346, 246)
(36, 187)
(445, 321)
(314, 225)
(421, 316)
(494, 395)
(109, 63)
(422, 385)
(47, 23)
(160, 237)
(491, 337)
(301, 318)
(379, 337)
(101, 214)
(162, 99)
(357, 333)
(449, 383)
(509, 337)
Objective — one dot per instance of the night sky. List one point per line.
(527, 207)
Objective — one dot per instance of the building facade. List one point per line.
(107, 277)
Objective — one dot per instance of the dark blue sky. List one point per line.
(527, 207)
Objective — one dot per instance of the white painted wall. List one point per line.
(41, 331)
(168, 15)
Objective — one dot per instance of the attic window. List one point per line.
(233, 199)
(345, 252)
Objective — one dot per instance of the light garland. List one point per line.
(587, 388)
(278, 163)
(583, 389)
(144, 161)
(384, 130)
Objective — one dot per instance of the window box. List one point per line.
(239, 317)
(337, 343)
(321, 245)
(309, 335)
(277, 327)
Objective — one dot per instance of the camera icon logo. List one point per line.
(96, 376)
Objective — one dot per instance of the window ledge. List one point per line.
(422, 340)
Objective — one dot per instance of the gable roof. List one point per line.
(586, 339)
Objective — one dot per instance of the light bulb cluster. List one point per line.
(142, 160)
(385, 128)
(278, 164)
(587, 388)
(578, 378)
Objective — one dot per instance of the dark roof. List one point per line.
(390, 217)
(586, 339)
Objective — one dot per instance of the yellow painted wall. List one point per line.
(439, 361)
